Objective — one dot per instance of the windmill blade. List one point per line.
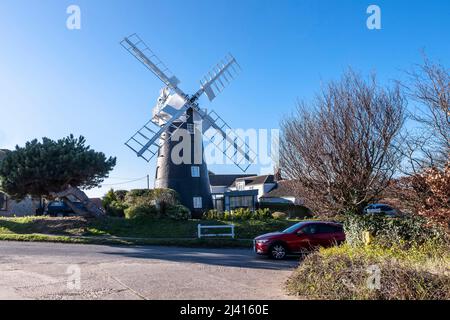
(237, 149)
(137, 47)
(147, 141)
(218, 78)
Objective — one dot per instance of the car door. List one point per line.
(307, 237)
(329, 235)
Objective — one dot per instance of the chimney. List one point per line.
(277, 174)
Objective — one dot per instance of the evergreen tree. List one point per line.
(40, 168)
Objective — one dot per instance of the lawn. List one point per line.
(97, 229)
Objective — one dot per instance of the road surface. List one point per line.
(74, 271)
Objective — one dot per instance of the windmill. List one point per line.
(177, 111)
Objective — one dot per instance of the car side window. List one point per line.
(325, 228)
(310, 229)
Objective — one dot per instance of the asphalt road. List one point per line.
(73, 271)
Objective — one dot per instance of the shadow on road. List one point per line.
(241, 258)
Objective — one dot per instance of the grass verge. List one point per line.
(132, 231)
(207, 243)
(374, 272)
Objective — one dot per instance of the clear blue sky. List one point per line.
(54, 81)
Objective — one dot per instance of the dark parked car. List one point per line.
(59, 208)
(299, 238)
(379, 208)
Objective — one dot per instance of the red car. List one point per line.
(299, 238)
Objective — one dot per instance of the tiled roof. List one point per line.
(282, 189)
(225, 179)
(254, 180)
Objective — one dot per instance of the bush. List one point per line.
(178, 212)
(109, 197)
(262, 214)
(390, 230)
(164, 199)
(292, 210)
(350, 273)
(121, 194)
(139, 196)
(161, 198)
(214, 215)
(278, 215)
(141, 211)
(116, 209)
(239, 214)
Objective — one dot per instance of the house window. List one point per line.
(198, 203)
(195, 171)
(241, 202)
(3, 202)
(240, 185)
(190, 128)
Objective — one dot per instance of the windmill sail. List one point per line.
(147, 141)
(237, 150)
(219, 77)
(137, 47)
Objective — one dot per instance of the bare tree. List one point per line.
(429, 145)
(424, 187)
(340, 149)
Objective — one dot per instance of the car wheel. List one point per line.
(277, 251)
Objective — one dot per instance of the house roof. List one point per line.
(254, 180)
(97, 201)
(225, 179)
(282, 189)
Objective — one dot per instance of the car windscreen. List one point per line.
(294, 227)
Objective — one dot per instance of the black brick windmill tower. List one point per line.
(179, 121)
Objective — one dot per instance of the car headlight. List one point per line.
(262, 241)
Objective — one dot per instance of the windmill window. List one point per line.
(195, 171)
(198, 203)
(3, 202)
(190, 128)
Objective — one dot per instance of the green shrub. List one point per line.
(347, 272)
(109, 197)
(390, 230)
(139, 196)
(178, 212)
(240, 214)
(164, 198)
(279, 215)
(141, 211)
(121, 194)
(262, 214)
(214, 214)
(116, 209)
(292, 210)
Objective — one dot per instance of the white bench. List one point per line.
(200, 227)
